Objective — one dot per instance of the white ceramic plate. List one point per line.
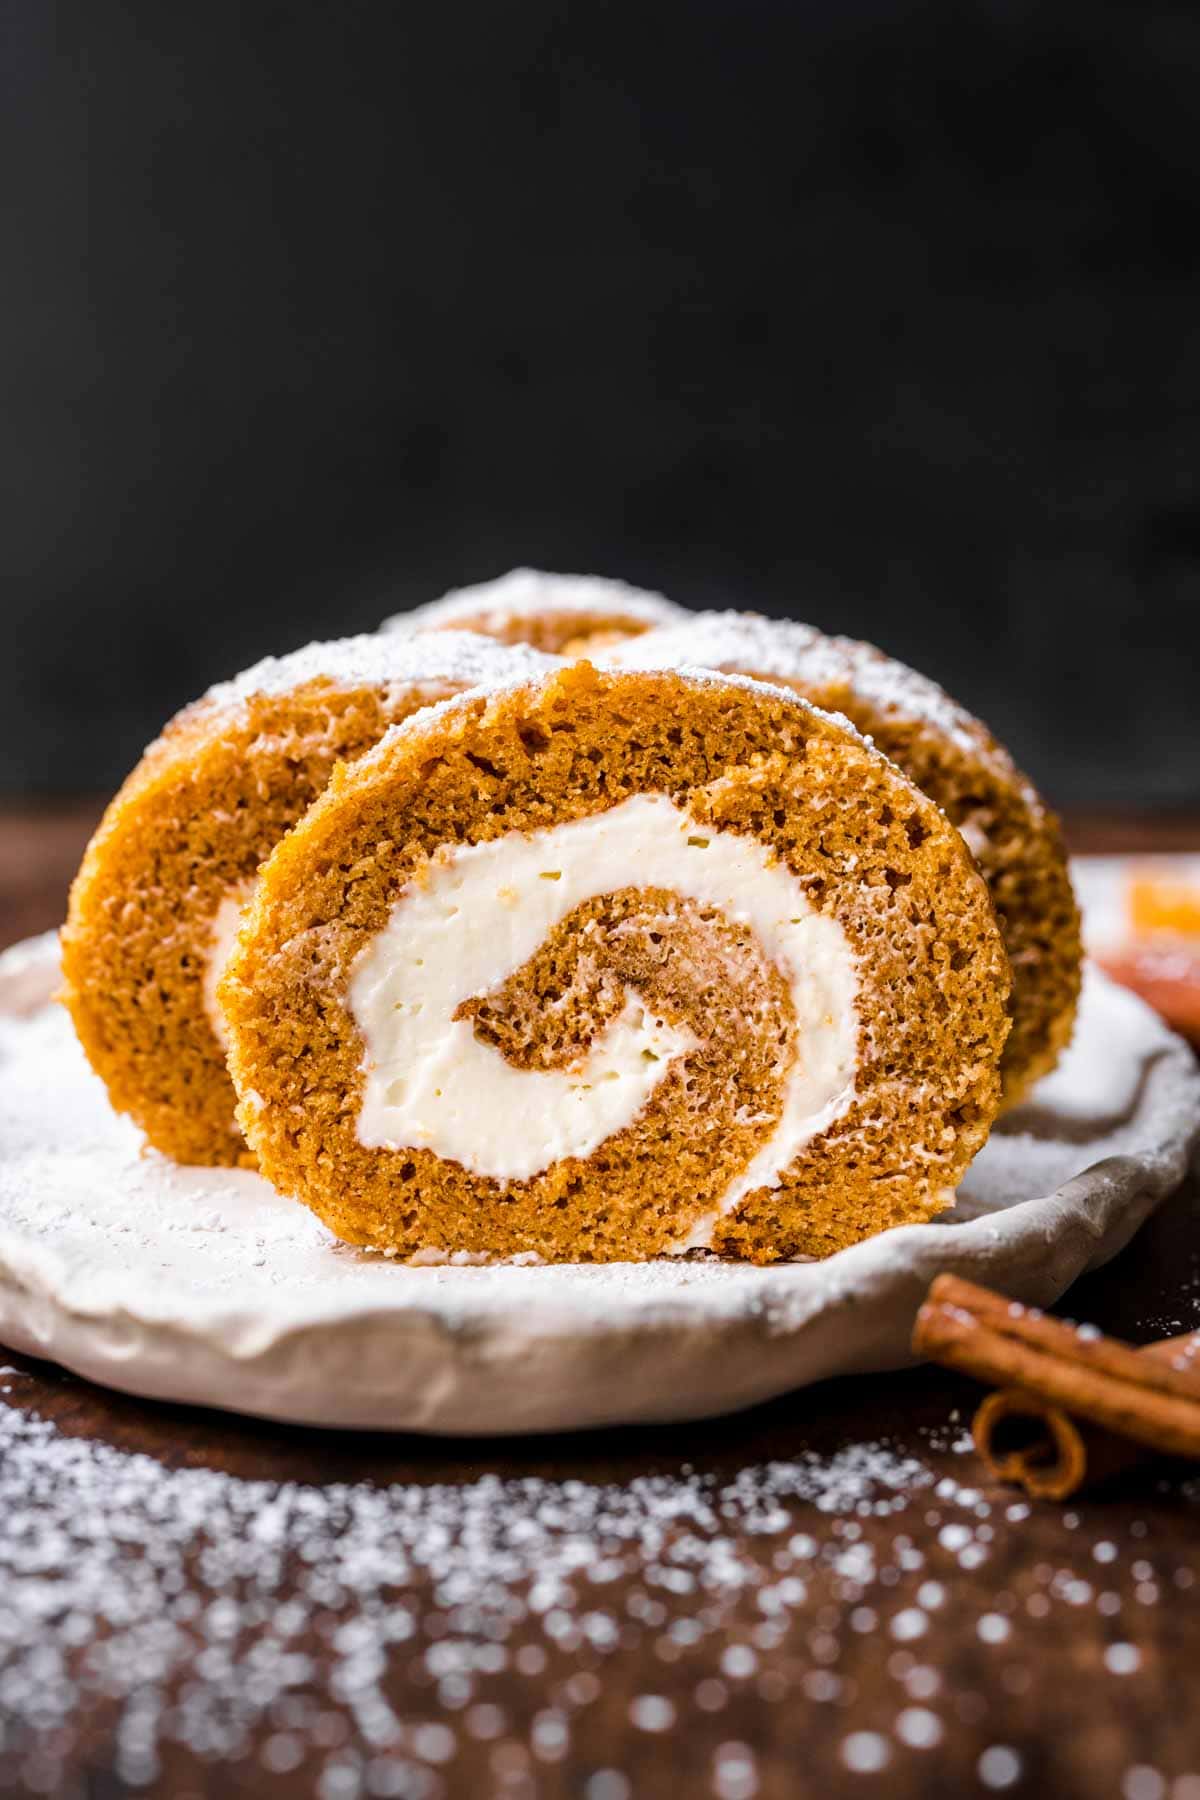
(206, 1286)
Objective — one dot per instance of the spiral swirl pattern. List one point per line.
(432, 1081)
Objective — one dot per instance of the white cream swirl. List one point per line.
(481, 911)
(223, 930)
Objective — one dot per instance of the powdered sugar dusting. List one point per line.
(463, 658)
(523, 592)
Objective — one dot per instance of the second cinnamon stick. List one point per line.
(1154, 1401)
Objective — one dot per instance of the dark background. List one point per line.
(884, 316)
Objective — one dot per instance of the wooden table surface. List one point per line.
(821, 1597)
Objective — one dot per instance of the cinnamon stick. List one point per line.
(1039, 1447)
(1074, 1405)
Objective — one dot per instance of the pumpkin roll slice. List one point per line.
(955, 759)
(570, 615)
(610, 965)
(157, 901)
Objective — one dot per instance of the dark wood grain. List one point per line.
(40, 847)
(1064, 1584)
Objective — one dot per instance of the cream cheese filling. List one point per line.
(481, 911)
(223, 934)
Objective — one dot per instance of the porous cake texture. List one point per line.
(955, 759)
(746, 969)
(157, 899)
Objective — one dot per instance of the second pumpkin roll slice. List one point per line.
(955, 759)
(157, 901)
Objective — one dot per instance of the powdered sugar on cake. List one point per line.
(524, 592)
(462, 658)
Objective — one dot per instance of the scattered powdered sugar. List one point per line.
(523, 592)
(422, 1637)
(124, 1578)
(999, 1767)
(919, 1728)
(866, 1752)
(651, 1712)
(372, 660)
(352, 1628)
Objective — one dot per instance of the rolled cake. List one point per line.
(567, 614)
(158, 898)
(955, 759)
(607, 965)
